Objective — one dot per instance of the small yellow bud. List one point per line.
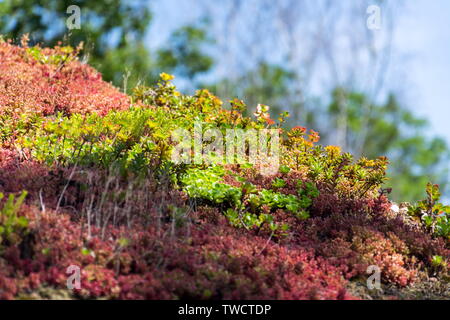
(166, 77)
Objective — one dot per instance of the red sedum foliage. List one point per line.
(31, 81)
(215, 262)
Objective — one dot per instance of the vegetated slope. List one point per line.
(46, 81)
(104, 195)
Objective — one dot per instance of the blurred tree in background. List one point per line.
(392, 130)
(112, 31)
(183, 56)
(268, 84)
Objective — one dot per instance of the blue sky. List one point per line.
(423, 39)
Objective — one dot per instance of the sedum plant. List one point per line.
(138, 140)
(433, 214)
(12, 226)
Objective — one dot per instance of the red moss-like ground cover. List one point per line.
(215, 262)
(66, 85)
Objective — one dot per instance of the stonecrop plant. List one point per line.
(12, 226)
(139, 138)
(433, 214)
(246, 205)
(119, 138)
(105, 193)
